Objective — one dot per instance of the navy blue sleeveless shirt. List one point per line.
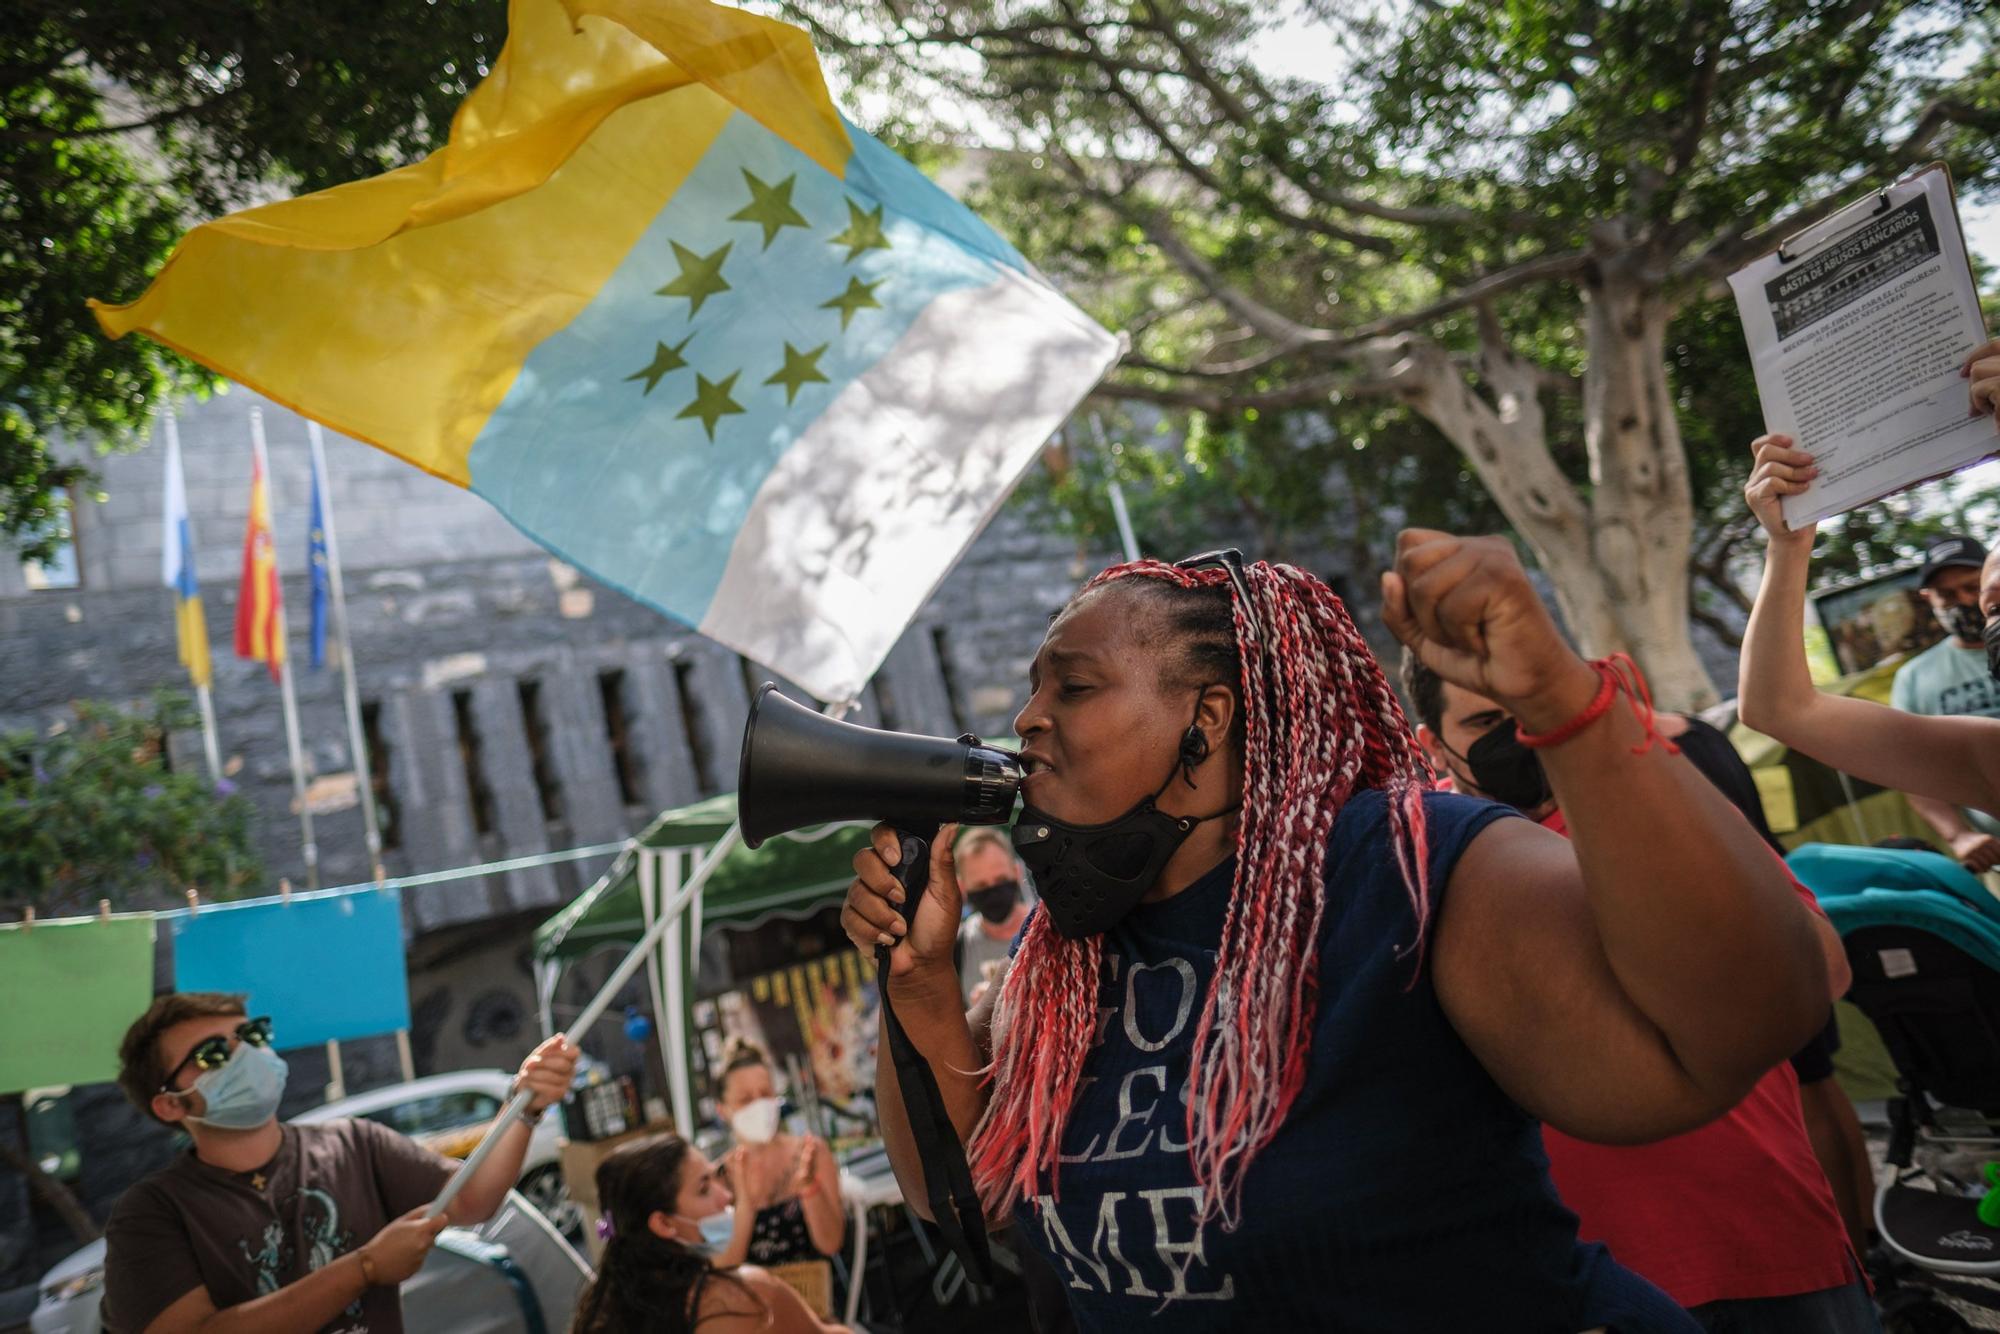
(1405, 1192)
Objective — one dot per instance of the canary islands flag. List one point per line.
(672, 315)
(177, 565)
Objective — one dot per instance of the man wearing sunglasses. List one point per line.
(265, 1226)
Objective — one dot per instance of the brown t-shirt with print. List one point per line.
(244, 1235)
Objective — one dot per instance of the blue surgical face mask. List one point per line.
(243, 1093)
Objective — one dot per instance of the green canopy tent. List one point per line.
(792, 873)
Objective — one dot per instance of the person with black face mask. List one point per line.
(1740, 1220)
(993, 879)
(1272, 1047)
(1943, 757)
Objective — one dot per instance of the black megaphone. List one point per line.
(802, 768)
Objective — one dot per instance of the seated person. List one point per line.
(787, 1187)
(655, 1275)
(264, 1226)
(1949, 759)
(1736, 1220)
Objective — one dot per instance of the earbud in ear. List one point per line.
(1194, 747)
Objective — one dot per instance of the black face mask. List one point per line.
(1992, 637)
(1090, 875)
(1962, 622)
(995, 902)
(1506, 770)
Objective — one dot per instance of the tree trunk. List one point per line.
(53, 1192)
(1642, 506)
(1619, 562)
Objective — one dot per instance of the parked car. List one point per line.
(448, 1113)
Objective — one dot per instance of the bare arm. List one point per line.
(923, 986)
(307, 1304)
(1638, 979)
(393, 1254)
(1945, 761)
(819, 1199)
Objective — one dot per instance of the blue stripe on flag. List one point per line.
(183, 581)
(615, 478)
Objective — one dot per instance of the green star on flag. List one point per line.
(665, 360)
(701, 276)
(799, 370)
(864, 231)
(770, 206)
(858, 296)
(712, 401)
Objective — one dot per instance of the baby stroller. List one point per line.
(1923, 938)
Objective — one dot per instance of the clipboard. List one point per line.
(1848, 265)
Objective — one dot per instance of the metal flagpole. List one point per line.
(202, 695)
(357, 741)
(1118, 511)
(670, 913)
(285, 669)
(594, 1011)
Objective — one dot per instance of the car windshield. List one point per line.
(438, 1112)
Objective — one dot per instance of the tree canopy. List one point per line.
(121, 124)
(1507, 219)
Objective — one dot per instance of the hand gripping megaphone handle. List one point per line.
(913, 865)
(954, 1204)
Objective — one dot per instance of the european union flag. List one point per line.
(316, 564)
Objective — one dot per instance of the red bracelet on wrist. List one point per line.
(1615, 673)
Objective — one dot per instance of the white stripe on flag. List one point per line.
(861, 519)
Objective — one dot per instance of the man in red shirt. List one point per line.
(1736, 1220)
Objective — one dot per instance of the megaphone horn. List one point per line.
(802, 768)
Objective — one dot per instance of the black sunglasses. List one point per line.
(213, 1053)
(1230, 559)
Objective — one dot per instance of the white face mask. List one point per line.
(756, 1122)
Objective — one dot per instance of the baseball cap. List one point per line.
(1947, 552)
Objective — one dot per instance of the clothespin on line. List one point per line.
(104, 910)
(194, 903)
(285, 888)
(27, 919)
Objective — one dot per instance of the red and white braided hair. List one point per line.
(1319, 722)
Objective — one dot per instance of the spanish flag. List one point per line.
(676, 318)
(260, 605)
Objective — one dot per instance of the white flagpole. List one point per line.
(357, 740)
(285, 668)
(1118, 510)
(202, 695)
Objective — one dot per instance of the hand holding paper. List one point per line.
(1982, 368)
(1860, 329)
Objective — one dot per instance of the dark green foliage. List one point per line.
(234, 100)
(91, 811)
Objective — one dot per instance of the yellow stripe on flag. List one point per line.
(192, 632)
(468, 260)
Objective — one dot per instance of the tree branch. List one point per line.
(1728, 254)
(39, 134)
(1280, 329)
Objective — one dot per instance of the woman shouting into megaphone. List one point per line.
(1273, 1047)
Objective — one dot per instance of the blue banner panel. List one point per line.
(323, 966)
